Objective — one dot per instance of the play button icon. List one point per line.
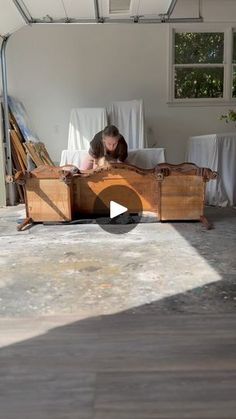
(116, 209)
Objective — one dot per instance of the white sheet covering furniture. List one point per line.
(128, 117)
(72, 157)
(84, 124)
(146, 158)
(218, 152)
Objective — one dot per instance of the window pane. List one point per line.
(234, 82)
(199, 83)
(199, 47)
(234, 47)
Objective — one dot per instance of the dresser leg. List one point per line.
(206, 223)
(26, 222)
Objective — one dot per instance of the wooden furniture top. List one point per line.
(68, 172)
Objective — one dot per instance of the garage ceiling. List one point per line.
(17, 13)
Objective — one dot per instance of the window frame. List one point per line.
(227, 65)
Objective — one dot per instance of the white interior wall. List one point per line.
(52, 69)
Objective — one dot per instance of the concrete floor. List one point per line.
(82, 269)
(140, 303)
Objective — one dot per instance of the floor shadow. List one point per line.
(139, 363)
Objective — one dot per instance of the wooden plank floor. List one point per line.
(122, 366)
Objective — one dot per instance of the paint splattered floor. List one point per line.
(170, 267)
(106, 326)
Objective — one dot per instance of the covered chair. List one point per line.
(128, 117)
(84, 124)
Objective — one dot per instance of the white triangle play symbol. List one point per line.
(116, 209)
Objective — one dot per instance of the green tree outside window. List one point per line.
(205, 52)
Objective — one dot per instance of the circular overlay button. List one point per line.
(118, 209)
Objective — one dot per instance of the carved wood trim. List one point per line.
(108, 167)
(67, 172)
(188, 169)
(161, 170)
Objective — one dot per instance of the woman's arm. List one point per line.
(123, 150)
(87, 163)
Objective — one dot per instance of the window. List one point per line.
(203, 65)
(234, 66)
(199, 65)
(119, 6)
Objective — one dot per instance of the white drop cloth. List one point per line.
(128, 117)
(218, 152)
(146, 158)
(84, 124)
